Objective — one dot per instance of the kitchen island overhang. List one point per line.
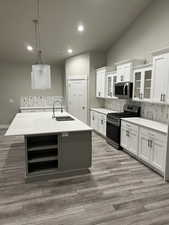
(53, 148)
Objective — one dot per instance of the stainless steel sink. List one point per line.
(64, 118)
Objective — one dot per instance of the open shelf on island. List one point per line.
(43, 159)
(42, 142)
(42, 153)
(42, 166)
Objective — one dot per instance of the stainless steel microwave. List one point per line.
(124, 90)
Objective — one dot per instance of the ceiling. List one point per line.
(104, 21)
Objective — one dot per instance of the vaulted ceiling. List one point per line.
(104, 21)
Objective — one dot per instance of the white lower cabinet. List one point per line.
(148, 145)
(98, 122)
(144, 145)
(129, 137)
(154, 148)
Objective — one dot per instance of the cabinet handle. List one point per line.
(93, 117)
(161, 98)
(127, 133)
(150, 143)
(164, 98)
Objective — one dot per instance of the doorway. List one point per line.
(77, 99)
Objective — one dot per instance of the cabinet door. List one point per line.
(127, 72)
(109, 84)
(132, 139)
(120, 73)
(137, 84)
(76, 150)
(124, 72)
(161, 73)
(144, 147)
(113, 83)
(124, 135)
(147, 89)
(102, 127)
(103, 83)
(158, 151)
(98, 83)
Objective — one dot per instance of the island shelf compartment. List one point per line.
(41, 153)
(42, 142)
(44, 153)
(42, 166)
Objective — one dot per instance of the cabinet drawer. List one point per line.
(129, 126)
(154, 135)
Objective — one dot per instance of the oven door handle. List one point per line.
(112, 123)
(126, 84)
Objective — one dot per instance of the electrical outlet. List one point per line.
(11, 101)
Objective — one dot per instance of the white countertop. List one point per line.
(42, 123)
(161, 127)
(36, 107)
(103, 110)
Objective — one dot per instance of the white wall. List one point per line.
(15, 81)
(149, 32)
(78, 65)
(86, 64)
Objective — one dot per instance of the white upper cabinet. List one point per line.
(124, 72)
(142, 81)
(161, 78)
(111, 79)
(100, 82)
(125, 69)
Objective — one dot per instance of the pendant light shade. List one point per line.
(41, 73)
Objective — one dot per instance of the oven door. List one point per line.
(123, 90)
(113, 131)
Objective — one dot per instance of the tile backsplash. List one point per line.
(38, 101)
(152, 111)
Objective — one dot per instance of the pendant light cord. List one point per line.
(37, 33)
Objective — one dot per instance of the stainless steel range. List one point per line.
(114, 123)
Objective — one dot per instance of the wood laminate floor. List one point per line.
(118, 191)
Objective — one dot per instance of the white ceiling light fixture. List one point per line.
(41, 74)
(70, 51)
(29, 48)
(80, 28)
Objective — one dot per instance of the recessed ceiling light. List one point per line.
(80, 28)
(70, 51)
(29, 48)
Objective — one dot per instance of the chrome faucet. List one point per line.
(61, 107)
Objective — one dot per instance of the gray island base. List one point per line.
(53, 148)
(57, 155)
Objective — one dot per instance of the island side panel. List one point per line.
(76, 150)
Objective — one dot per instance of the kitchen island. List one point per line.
(52, 147)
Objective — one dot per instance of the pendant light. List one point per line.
(41, 76)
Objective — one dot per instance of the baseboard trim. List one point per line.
(4, 126)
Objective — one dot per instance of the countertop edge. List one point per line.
(142, 125)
